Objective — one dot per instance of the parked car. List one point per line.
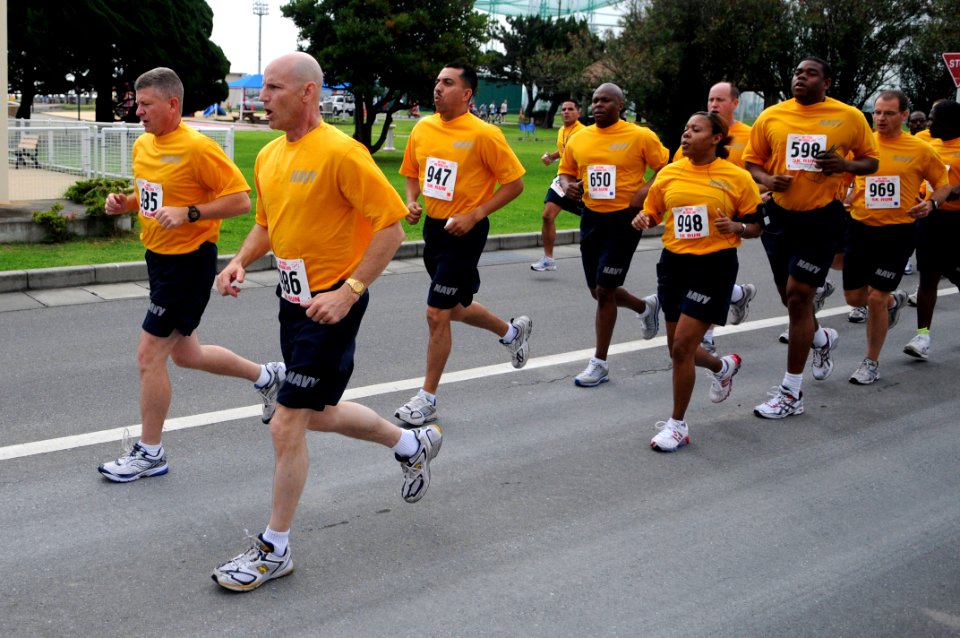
(342, 104)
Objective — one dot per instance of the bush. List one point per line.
(92, 193)
(55, 224)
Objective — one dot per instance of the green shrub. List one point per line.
(55, 224)
(92, 193)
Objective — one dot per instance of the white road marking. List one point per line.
(210, 418)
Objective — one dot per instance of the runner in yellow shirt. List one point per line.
(555, 200)
(185, 185)
(918, 125)
(882, 231)
(455, 161)
(605, 165)
(937, 233)
(708, 205)
(798, 150)
(332, 220)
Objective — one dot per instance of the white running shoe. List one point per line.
(918, 347)
(857, 315)
(544, 264)
(867, 373)
(821, 297)
(784, 336)
(893, 312)
(912, 298)
(780, 405)
(253, 567)
(417, 411)
(520, 347)
(416, 469)
(594, 374)
(269, 392)
(739, 310)
(651, 321)
(822, 362)
(908, 269)
(134, 464)
(721, 385)
(671, 437)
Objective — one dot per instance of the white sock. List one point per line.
(737, 293)
(792, 382)
(708, 335)
(724, 368)
(152, 450)
(512, 333)
(279, 540)
(646, 311)
(263, 379)
(819, 337)
(432, 398)
(407, 446)
(677, 424)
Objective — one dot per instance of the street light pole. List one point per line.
(260, 9)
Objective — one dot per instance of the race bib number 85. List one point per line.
(151, 197)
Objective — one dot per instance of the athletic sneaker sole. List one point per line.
(160, 471)
(581, 384)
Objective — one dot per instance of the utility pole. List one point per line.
(260, 9)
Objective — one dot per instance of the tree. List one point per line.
(568, 74)
(387, 52)
(107, 44)
(526, 41)
(922, 73)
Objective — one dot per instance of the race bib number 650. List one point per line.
(602, 181)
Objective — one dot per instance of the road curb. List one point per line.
(73, 276)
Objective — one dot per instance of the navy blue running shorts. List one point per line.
(451, 262)
(698, 286)
(179, 290)
(607, 244)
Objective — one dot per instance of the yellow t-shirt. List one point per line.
(612, 162)
(886, 196)
(182, 168)
(924, 134)
(321, 198)
(688, 198)
(565, 133)
(458, 163)
(739, 136)
(788, 134)
(950, 155)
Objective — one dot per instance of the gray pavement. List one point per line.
(548, 515)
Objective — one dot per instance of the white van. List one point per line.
(341, 104)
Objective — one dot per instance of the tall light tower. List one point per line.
(260, 9)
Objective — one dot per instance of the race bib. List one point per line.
(440, 179)
(690, 222)
(802, 151)
(294, 286)
(602, 181)
(882, 191)
(151, 197)
(556, 187)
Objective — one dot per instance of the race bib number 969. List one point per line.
(882, 191)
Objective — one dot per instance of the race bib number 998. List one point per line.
(691, 222)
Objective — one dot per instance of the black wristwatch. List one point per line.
(193, 214)
(936, 205)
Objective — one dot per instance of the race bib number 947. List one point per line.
(802, 151)
(440, 179)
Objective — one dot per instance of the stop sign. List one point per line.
(952, 60)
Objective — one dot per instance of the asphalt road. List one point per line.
(548, 514)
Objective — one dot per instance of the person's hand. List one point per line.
(779, 183)
(460, 225)
(229, 280)
(331, 307)
(414, 211)
(545, 158)
(726, 225)
(830, 163)
(643, 221)
(172, 216)
(574, 190)
(921, 210)
(116, 203)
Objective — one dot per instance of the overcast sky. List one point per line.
(235, 31)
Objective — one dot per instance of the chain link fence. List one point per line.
(45, 157)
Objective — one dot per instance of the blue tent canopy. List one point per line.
(254, 81)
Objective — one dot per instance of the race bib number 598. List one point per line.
(802, 151)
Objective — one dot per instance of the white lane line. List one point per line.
(210, 418)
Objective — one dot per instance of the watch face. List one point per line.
(193, 214)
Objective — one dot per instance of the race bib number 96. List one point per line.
(151, 197)
(691, 222)
(294, 286)
(440, 179)
(602, 181)
(882, 191)
(802, 151)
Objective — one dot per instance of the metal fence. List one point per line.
(47, 156)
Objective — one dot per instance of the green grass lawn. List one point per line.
(522, 215)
